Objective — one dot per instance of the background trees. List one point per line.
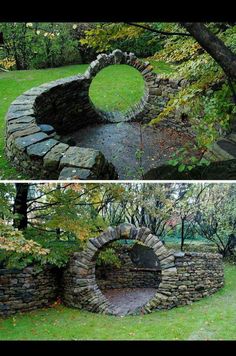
(40, 45)
(215, 218)
(59, 217)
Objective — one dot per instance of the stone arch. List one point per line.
(86, 293)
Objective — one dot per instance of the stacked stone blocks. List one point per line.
(65, 106)
(185, 277)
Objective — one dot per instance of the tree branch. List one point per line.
(165, 33)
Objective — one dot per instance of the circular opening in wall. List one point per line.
(117, 90)
(128, 275)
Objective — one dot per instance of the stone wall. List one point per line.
(27, 289)
(127, 275)
(198, 275)
(185, 277)
(34, 147)
(36, 119)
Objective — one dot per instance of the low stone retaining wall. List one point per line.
(185, 277)
(27, 289)
(36, 119)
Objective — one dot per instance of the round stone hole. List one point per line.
(116, 90)
(128, 275)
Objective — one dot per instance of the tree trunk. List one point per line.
(214, 46)
(20, 206)
(182, 233)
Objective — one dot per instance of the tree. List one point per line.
(215, 219)
(38, 45)
(185, 209)
(20, 206)
(214, 47)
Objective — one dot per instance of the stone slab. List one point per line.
(68, 173)
(41, 148)
(23, 142)
(81, 157)
(52, 158)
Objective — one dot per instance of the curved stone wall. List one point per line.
(34, 148)
(184, 277)
(27, 289)
(36, 119)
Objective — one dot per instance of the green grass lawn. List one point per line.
(211, 318)
(115, 88)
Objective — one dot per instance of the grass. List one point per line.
(115, 88)
(212, 318)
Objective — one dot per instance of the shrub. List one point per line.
(18, 251)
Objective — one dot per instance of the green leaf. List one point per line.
(181, 168)
(173, 162)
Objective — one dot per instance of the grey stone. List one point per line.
(40, 149)
(68, 173)
(25, 131)
(48, 129)
(125, 230)
(81, 158)
(179, 254)
(118, 55)
(14, 114)
(23, 142)
(23, 119)
(52, 158)
(16, 127)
